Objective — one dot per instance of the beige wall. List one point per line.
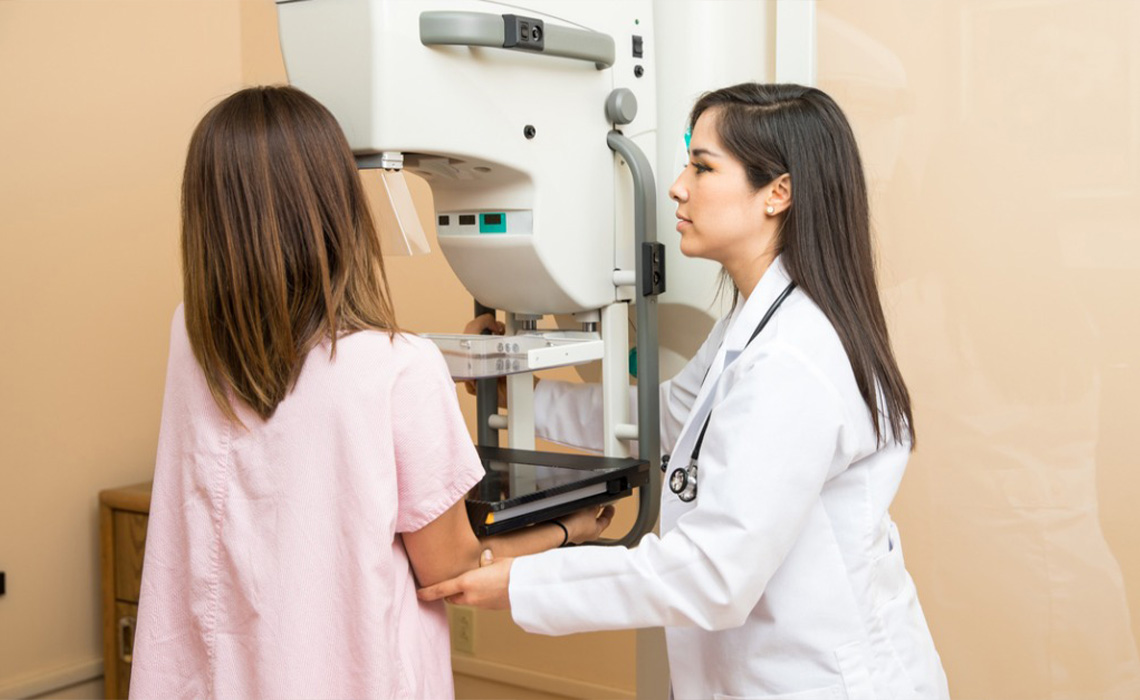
(1003, 142)
(98, 102)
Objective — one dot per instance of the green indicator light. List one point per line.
(493, 223)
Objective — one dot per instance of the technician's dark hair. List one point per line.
(279, 250)
(825, 237)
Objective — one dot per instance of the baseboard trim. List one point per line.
(40, 682)
(534, 680)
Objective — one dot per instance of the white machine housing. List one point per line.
(460, 117)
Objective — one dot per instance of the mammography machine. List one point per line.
(536, 132)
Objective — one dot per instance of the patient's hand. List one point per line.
(486, 322)
(476, 326)
(587, 525)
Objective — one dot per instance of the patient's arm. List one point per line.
(447, 547)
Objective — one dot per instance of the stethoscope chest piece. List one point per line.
(683, 482)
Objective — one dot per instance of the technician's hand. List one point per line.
(587, 525)
(485, 587)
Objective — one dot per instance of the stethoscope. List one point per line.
(683, 480)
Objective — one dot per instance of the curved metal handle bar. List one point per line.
(446, 28)
(648, 379)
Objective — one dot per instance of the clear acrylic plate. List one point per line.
(482, 356)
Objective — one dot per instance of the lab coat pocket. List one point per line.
(853, 666)
(831, 692)
(888, 573)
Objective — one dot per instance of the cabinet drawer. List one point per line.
(130, 540)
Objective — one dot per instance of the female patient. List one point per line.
(311, 458)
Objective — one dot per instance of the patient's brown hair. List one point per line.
(279, 250)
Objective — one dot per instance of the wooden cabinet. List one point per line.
(122, 536)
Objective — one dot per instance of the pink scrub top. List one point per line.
(274, 566)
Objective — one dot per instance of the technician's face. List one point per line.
(720, 216)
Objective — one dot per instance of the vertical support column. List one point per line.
(615, 377)
(520, 411)
(795, 42)
(486, 399)
(520, 420)
(487, 405)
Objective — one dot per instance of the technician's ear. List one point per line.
(779, 195)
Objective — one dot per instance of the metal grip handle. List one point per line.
(126, 638)
(449, 28)
(648, 409)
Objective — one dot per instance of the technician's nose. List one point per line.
(677, 191)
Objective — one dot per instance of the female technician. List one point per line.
(778, 572)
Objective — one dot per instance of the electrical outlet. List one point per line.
(462, 619)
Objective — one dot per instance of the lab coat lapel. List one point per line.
(767, 290)
(739, 329)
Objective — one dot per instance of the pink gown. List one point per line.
(274, 566)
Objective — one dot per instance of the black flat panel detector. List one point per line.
(524, 487)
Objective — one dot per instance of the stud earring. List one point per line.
(771, 210)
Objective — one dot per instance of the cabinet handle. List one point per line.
(126, 638)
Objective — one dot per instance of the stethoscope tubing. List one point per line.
(683, 480)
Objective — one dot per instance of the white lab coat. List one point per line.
(784, 578)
